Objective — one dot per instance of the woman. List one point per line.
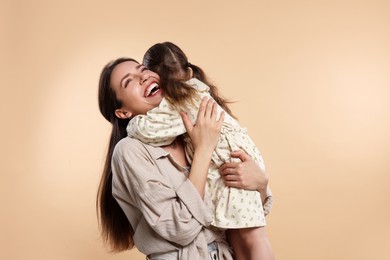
(148, 196)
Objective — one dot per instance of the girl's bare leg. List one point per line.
(250, 244)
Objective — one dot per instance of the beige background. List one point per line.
(312, 84)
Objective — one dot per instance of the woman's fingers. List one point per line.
(205, 133)
(232, 174)
(209, 108)
(231, 177)
(221, 117)
(202, 108)
(187, 122)
(243, 156)
(243, 175)
(228, 166)
(233, 184)
(208, 114)
(232, 180)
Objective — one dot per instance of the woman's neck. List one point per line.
(176, 149)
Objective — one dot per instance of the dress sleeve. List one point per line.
(269, 200)
(177, 215)
(160, 126)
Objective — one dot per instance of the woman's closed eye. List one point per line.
(127, 79)
(127, 82)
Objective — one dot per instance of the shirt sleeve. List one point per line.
(176, 215)
(160, 126)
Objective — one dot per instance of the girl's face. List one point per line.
(136, 87)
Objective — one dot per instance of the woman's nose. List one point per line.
(144, 77)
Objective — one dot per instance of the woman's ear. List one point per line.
(122, 114)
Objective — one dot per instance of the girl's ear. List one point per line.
(122, 114)
(190, 72)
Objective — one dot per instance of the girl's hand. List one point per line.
(205, 133)
(244, 175)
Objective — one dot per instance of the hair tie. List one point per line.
(189, 64)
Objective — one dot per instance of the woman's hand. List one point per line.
(246, 174)
(204, 137)
(205, 133)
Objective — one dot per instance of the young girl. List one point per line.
(239, 211)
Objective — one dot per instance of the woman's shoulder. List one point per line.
(133, 148)
(126, 142)
(127, 146)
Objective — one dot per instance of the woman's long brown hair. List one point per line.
(115, 227)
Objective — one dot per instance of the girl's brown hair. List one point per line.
(171, 64)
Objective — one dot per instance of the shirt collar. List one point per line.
(158, 153)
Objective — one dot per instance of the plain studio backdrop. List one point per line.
(310, 81)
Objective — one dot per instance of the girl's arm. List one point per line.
(159, 127)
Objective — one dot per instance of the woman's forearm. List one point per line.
(199, 170)
(263, 195)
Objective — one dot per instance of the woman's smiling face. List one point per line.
(136, 87)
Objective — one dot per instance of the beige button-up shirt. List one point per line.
(161, 204)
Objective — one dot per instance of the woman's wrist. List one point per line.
(204, 151)
(199, 170)
(262, 185)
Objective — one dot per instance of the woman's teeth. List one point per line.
(151, 89)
